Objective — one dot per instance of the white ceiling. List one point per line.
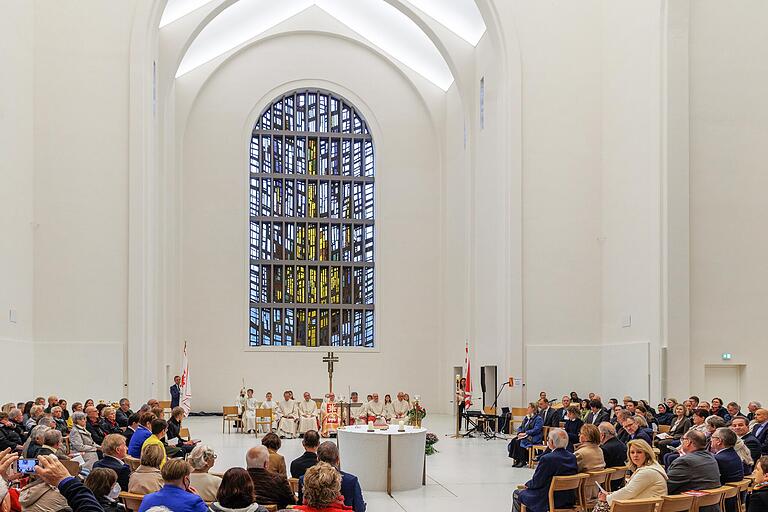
(375, 20)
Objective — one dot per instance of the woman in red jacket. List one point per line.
(322, 490)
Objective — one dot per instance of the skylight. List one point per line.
(461, 17)
(177, 9)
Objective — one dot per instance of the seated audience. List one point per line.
(548, 414)
(38, 496)
(589, 456)
(236, 493)
(718, 409)
(328, 452)
(61, 423)
(80, 440)
(614, 451)
(159, 428)
(143, 431)
(176, 493)
(680, 425)
(740, 427)
(272, 443)
(621, 416)
(52, 441)
(103, 484)
(322, 490)
(133, 424)
(596, 413)
(174, 430)
(115, 450)
(35, 413)
(760, 430)
(648, 478)
(572, 426)
(309, 458)
(148, 478)
(202, 458)
(758, 499)
(633, 427)
(734, 411)
(730, 465)
(35, 441)
(93, 425)
(696, 469)
(529, 433)
(123, 412)
(109, 423)
(10, 432)
(559, 462)
(664, 415)
(269, 488)
(752, 407)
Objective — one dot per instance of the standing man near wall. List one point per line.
(176, 392)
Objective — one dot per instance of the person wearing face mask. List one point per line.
(177, 494)
(103, 484)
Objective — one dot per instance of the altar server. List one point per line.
(308, 413)
(249, 413)
(288, 416)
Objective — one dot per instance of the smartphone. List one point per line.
(26, 466)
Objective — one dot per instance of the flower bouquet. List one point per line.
(432, 439)
(416, 414)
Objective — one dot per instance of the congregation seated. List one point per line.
(272, 443)
(11, 433)
(133, 424)
(236, 493)
(109, 423)
(58, 416)
(102, 483)
(52, 441)
(93, 425)
(648, 478)
(740, 427)
(696, 470)
(269, 487)
(614, 451)
(679, 426)
(202, 458)
(328, 452)
(322, 489)
(760, 429)
(596, 413)
(310, 442)
(529, 433)
(589, 456)
(115, 450)
(572, 426)
(758, 499)
(664, 415)
(123, 412)
(80, 440)
(143, 431)
(175, 493)
(38, 496)
(634, 427)
(558, 462)
(158, 429)
(729, 464)
(35, 441)
(174, 431)
(148, 478)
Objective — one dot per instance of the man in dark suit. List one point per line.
(729, 463)
(558, 462)
(176, 392)
(123, 412)
(10, 434)
(309, 458)
(562, 413)
(115, 450)
(133, 423)
(93, 425)
(761, 429)
(695, 470)
(550, 417)
(635, 430)
(752, 407)
(740, 427)
(597, 414)
(614, 451)
(270, 488)
(350, 486)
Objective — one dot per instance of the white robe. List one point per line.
(401, 408)
(308, 415)
(372, 409)
(249, 414)
(389, 411)
(288, 412)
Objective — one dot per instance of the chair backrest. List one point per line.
(677, 503)
(131, 501)
(229, 409)
(184, 433)
(617, 473)
(73, 467)
(263, 413)
(294, 485)
(741, 485)
(729, 491)
(566, 483)
(601, 477)
(165, 404)
(664, 428)
(545, 434)
(709, 498)
(650, 505)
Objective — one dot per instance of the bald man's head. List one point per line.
(257, 457)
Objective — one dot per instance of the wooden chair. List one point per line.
(743, 488)
(535, 449)
(650, 505)
(708, 498)
(664, 428)
(166, 405)
(133, 462)
(730, 492)
(184, 434)
(617, 473)
(229, 415)
(676, 503)
(294, 482)
(601, 477)
(131, 501)
(67, 447)
(564, 483)
(271, 508)
(73, 467)
(492, 412)
(263, 417)
(517, 415)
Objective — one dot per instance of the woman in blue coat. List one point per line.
(529, 433)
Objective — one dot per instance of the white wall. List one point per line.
(16, 193)
(214, 175)
(729, 242)
(80, 183)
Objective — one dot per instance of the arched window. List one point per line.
(312, 224)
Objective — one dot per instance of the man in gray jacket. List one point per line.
(695, 470)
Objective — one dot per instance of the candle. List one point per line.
(401, 426)
(370, 426)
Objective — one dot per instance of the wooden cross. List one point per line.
(330, 359)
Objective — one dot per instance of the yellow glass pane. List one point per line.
(300, 294)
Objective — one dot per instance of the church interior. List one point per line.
(537, 195)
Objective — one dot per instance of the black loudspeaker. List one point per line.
(482, 379)
(488, 384)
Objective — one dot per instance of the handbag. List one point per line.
(601, 506)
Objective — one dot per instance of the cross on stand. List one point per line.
(330, 359)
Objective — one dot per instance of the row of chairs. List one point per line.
(580, 482)
(230, 415)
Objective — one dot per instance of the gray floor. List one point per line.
(466, 474)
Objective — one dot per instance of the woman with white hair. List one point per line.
(81, 441)
(202, 458)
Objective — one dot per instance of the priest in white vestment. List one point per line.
(308, 413)
(268, 403)
(249, 412)
(288, 414)
(401, 407)
(373, 410)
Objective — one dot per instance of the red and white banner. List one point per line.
(468, 376)
(186, 389)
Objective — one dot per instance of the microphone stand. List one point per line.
(495, 402)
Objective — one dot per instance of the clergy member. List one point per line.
(249, 412)
(330, 416)
(308, 412)
(373, 410)
(288, 414)
(268, 403)
(401, 407)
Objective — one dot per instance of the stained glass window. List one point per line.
(312, 224)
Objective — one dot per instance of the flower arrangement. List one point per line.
(429, 448)
(416, 414)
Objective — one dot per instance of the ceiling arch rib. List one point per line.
(379, 22)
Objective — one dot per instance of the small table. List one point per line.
(385, 459)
